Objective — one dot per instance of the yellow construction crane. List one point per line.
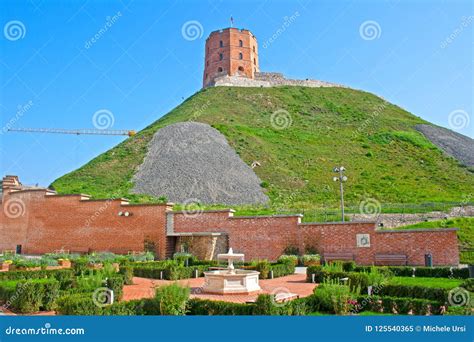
(75, 131)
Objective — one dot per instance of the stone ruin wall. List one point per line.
(269, 79)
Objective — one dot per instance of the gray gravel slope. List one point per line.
(192, 161)
(452, 143)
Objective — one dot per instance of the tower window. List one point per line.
(219, 69)
(221, 43)
(221, 56)
(254, 49)
(241, 43)
(241, 68)
(254, 61)
(240, 55)
(207, 63)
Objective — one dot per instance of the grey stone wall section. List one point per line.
(192, 162)
(270, 79)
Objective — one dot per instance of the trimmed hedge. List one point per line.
(206, 307)
(402, 305)
(431, 293)
(428, 272)
(32, 295)
(173, 272)
(65, 277)
(116, 283)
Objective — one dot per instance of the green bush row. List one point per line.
(427, 272)
(65, 277)
(279, 269)
(397, 305)
(171, 272)
(431, 293)
(31, 295)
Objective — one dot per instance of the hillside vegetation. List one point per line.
(385, 157)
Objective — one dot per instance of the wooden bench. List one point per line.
(391, 259)
(330, 257)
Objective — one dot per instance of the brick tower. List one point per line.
(231, 52)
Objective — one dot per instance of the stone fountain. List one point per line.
(231, 280)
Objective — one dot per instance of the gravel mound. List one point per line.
(192, 162)
(454, 144)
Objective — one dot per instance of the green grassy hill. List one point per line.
(385, 157)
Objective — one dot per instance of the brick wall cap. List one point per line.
(204, 211)
(266, 216)
(28, 190)
(198, 234)
(220, 31)
(416, 230)
(334, 223)
(72, 195)
(146, 204)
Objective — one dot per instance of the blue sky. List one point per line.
(416, 54)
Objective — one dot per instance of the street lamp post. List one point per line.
(341, 179)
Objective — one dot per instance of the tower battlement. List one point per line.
(230, 52)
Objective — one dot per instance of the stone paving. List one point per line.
(293, 284)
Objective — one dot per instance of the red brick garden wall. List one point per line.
(267, 237)
(44, 222)
(52, 222)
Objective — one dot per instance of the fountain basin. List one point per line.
(231, 282)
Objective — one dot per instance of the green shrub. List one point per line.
(184, 258)
(206, 307)
(348, 266)
(263, 266)
(80, 266)
(78, 304)
(30, 295)
(281, 270)
(468, 284)
(394, 305)
(127, 273)
(310, 259)
(333, 297)
(172, 299)
(431, 293)
(292, 259)
(115, 284)
(65, 277)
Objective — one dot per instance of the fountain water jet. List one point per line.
(231, 280)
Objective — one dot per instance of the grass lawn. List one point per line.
(465, 234)
(444, 283)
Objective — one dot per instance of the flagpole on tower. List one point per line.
(231, 21)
